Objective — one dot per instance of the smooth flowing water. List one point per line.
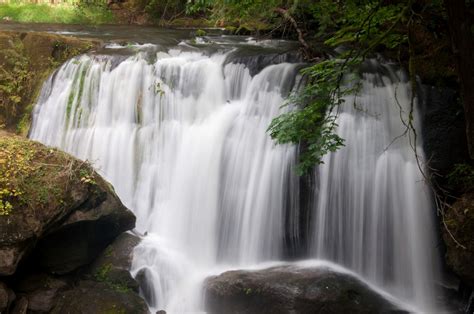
(373, 209)
(181, 134)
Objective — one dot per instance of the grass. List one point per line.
(61, 13)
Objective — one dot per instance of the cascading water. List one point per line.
(182, 137)
(373, 209)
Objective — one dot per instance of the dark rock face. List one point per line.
(289, 289)
(460, 221)
(99, 297)
(443, 128)
(6, 297)
(40, 290)
(84, 234)
(255, 61)
(113, 265)
(107, 277)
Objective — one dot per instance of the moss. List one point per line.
(28, 59)
(35, 177)
(189, 22)
(230, 30)
(103, 275)
(201, 32)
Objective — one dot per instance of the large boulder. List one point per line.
(443, 130)
(291, 289)
(99, 297)
(108, 274)
(113, 265)
(53, 207)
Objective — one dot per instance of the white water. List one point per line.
(373, 210)
(183, 140)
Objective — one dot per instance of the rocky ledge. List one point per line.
(62, 242)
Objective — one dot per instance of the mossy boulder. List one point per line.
(98, 297)
(458, 236)
(291, 289)
(27, 59)
(109, 286)
(112, 267)
(54, 208)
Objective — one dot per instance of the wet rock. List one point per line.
(289, 289)
(113, 265)
(146, 289)
(85, 233)
(98, 297)
(443, 129)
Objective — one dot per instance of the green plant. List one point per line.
(14, 80)
(82, 12)
(103, 272)
(103, 275)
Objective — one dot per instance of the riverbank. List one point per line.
(60, 13)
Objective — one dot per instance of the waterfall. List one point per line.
(181, 134)
(373, 211)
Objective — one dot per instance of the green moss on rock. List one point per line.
(53, 200)
(27, 59)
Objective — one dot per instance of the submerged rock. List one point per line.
(290, 289)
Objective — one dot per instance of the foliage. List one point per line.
(361, 28)
(14, 76)
(314, 123)
(32, 175)
(103, 275)
(81, 13)
(24, 65)
(251, 14)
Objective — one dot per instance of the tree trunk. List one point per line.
(461, 27)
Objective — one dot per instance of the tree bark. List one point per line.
(287, 16)
(461, 27)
